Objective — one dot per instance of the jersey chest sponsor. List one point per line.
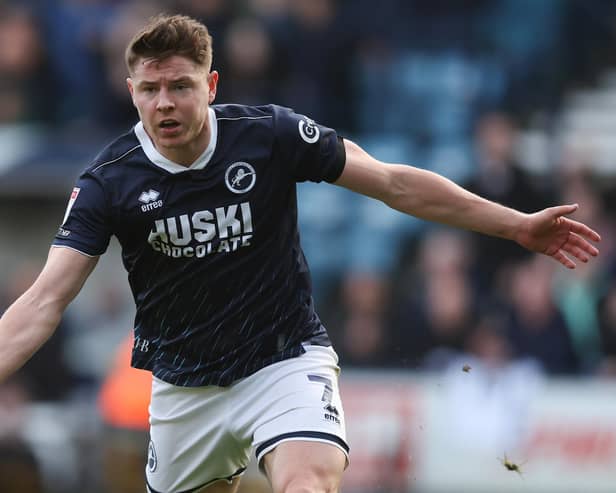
(200, 233)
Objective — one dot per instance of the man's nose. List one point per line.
(165, 103)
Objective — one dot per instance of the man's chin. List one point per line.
(170, 142)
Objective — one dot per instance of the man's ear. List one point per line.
(212, 82)
(131, 89)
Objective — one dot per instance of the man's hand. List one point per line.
(551, 233)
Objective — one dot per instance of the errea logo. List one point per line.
(149, 196)
(150, 200)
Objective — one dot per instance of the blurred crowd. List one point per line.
(449, 85)
(344, 60)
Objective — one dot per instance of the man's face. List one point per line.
(172, 97)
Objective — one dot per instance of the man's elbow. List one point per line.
(396, 188)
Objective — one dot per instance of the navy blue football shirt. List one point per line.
(212, 251)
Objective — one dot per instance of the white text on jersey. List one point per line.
(203, 232)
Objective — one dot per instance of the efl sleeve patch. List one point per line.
(71, 202)
(86, 225)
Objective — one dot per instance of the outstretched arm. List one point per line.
(33, 318)
(433, 197)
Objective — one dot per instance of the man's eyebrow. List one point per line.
(145, 82)
(182, 78)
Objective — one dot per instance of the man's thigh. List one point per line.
(315, 466)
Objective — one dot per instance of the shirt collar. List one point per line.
(162, 162)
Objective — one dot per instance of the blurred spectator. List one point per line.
(589, 39)
(500, 178)
(364, 338)
(73, 32)
(577, 293)
(433, 317)
(488, 391)
(529, 39)
(27, 86)
(438, 23)
(313, 45)
(248, 62)
(536, 327)
(370, 239)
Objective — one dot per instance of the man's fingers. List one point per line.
(585, 231)
(579, 235)
(579, 242)
(578, 247)
(563, 210)
(575, 226)
(576, 251)
(563, 259)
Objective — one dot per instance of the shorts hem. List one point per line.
(230, 478)
(310, 436)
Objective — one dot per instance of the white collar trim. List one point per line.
(162, 162)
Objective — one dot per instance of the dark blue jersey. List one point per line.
(212, 251)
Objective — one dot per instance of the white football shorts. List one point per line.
(200, 435)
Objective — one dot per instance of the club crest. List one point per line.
(152, 460)
(240, 177)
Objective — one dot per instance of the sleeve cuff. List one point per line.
(339, 162)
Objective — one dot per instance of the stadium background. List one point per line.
(515, 99)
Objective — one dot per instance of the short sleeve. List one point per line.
(311, 151)
(86, 225)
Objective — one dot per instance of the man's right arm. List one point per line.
(33, 318)
(430, 196)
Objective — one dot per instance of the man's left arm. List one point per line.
(432, 197)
